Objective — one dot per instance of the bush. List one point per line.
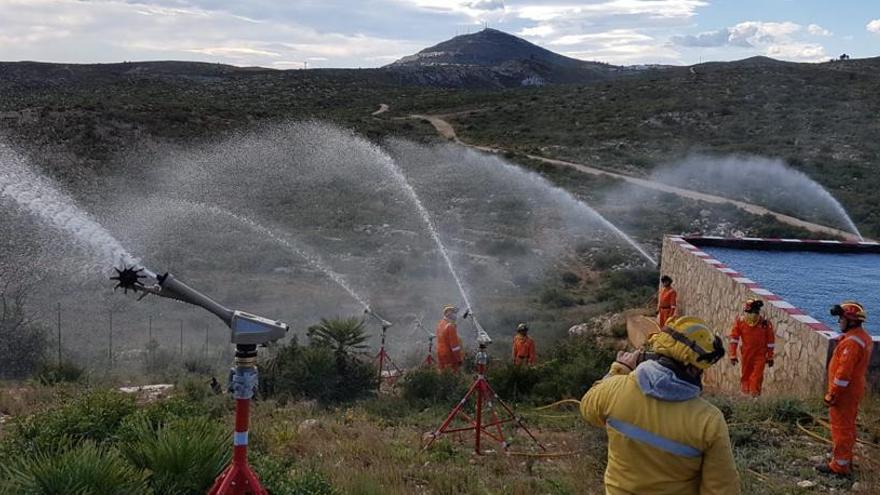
(316, 372)
(96, 416)
(570, 278)
(87, 469)
(66, 372)
(430, 386)
(198, 365)
(512, 382)
(183, 456)
(576, 364)
(278, 478)
(627, 288)
(557, 298)
(163, 412)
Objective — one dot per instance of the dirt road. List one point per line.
(445, 129)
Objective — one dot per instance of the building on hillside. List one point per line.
(799, 282)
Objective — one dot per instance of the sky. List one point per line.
(292, 34)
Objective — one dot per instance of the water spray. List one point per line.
(312, 258)
(41, 197)
(402, 181)
(247, 331)
(386, 367)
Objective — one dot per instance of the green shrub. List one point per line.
(430, 386)
(96, 416)
(65, 372)
(570, 278)
(86, 469)
(627, 288)
(198, 365)
(575, 365)
(279, 478)
(182, 457)
(557, 298)
(317, 371)
(159, 413)
(512, 382)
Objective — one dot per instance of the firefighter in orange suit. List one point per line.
(448, 343)
(754, 336)
(667, 298)
(846, 384)
(523, 346)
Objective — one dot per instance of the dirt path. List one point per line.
(445, 129)
(382, 109)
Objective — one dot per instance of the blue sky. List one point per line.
(368, 33)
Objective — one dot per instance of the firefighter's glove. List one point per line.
(625, 362)
(830, 399)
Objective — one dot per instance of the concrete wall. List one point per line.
(711, 291)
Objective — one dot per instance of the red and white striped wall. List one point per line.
(774, 244)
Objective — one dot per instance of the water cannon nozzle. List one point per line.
(128, 278)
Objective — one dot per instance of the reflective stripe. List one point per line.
(456, 348)
(841, 383)
(841, 462)
(654, 440)
(240, 438)
(771, 346)
(858, 341)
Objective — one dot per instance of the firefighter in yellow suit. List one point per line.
(663, 438)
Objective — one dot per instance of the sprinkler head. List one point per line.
(128, 278)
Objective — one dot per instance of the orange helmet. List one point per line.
(850, 310)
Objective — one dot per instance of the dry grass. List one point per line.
(361, 457)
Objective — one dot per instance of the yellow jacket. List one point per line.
(662, 437)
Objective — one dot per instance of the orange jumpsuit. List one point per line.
(524, 350)
(666, 301)
(448, 345)
(756, 343)
(846, 384)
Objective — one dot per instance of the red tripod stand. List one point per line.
(238, 478)
(485, 396)
(388, 371)
(429, 359)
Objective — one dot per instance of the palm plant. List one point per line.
(346, 337)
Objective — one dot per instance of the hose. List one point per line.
(558, 403)
(544, 454)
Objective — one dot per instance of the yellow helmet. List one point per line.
(688, 340)
(450, 307)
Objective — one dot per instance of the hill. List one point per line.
(498, 59)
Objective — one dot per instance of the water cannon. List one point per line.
(382, 321)
(245, 328)
(482, 336)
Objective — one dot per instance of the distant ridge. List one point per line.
(500, 59)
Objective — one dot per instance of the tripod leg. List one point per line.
(516, 418)
(451, 416)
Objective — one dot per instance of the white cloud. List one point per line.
(114, 30)
(614, 31)
(817, 30)
(475, 10)
(874, 26)
(653, 8)
(774, 39)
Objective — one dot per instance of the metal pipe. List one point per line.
(175, 289)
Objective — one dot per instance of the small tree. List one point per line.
(345, 337)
